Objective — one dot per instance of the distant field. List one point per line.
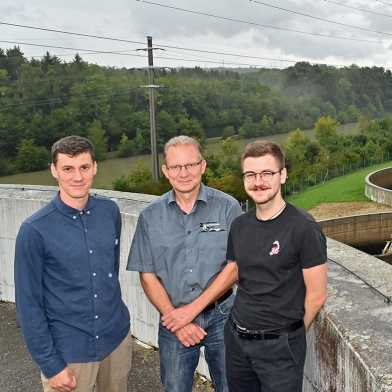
(341, 189)
(112, 168)
(214, 143)
(107, 171)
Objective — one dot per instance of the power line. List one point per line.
(162, 46)
(129, 54)
(358, 8)
(319, 18)
(76, 49)
(247, 22)
(71, 33)
(211, 61)
(54, 100)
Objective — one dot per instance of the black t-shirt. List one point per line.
(270, 256)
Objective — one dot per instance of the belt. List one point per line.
(265, 334)
(218, 301)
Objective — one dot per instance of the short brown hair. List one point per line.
(259, 148)
(72, 145)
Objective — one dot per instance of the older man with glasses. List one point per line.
(179, 248)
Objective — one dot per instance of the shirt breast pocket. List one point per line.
(108, 249)
(213, 247)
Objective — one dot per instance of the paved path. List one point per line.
(19, 374)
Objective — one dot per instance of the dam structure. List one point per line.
(349, 344)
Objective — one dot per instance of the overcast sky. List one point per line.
(134, 20)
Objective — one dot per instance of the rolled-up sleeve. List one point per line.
(140, 255)
(29, 266)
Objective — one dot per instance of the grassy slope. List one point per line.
(341, 189)
(112, 168)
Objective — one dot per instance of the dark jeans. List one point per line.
(274, 365)
(178, 363)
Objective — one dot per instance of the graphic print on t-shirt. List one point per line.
(275, 249)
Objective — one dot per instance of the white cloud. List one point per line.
(133, 20)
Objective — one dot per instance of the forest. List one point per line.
(44, 99)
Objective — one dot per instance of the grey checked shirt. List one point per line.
(185, 251)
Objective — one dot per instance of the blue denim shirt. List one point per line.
(68, 295)
(185, 251)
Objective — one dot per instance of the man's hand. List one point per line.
(191, 334)
(65, 381)
(179, 317)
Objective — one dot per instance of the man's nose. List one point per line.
(259, 179)
(78, 175)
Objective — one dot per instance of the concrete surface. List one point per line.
(349, 346)
(360, 230)
(18, 373)
(378, 186)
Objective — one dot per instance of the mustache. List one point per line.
(259, 187)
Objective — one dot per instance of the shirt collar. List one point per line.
(202, 196)
(68, 210)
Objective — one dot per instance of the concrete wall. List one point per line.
(378, 186)
(360, 230)
(349, 346)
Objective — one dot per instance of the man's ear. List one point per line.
(203, 166)
(283, 176)
(164, 171)
(95, 168)
(53, 170)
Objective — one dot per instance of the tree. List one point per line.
(126, 147)
(96, 134)
(228, 132)
(31, 157)
(326, 133)
(248, 129)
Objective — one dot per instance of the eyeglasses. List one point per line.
(265, 175)
(190, 167)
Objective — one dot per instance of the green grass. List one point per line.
(348, 188)
(107, 171)
(110, 169)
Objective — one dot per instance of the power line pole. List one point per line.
(151, 98)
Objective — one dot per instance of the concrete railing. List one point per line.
(349, 345)
(363, 230)
(378, 186)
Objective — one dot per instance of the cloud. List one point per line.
(134, 20)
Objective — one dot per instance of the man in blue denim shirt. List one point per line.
(68, 295)
(179, 248)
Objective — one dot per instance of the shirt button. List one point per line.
(88, 212)
(85, 230)
(95, 295)
(90, 251)
(190, 270)
(110, 274)
(81, 212)
(96, 316)
(74, 217)
(94, 274)
(96, 337)
(189, 232)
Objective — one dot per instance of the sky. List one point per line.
(270, 33)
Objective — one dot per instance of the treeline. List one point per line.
(309, 161)
(44, 99)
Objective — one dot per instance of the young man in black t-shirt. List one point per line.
(280, 253)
